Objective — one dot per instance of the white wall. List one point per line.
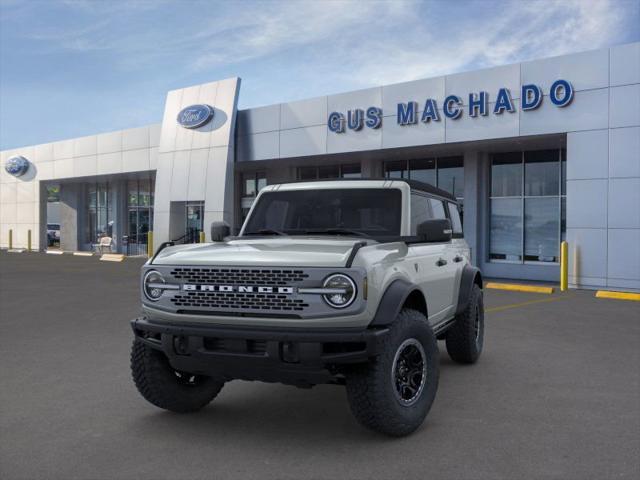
(123, 151)
(603, 183)
(197, 164)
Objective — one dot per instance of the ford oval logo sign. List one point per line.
(17, 166)
(195, 116)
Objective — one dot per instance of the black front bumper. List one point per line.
(294, 356)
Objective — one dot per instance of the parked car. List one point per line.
(347, 282)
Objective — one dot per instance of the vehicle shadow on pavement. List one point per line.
(257, 412)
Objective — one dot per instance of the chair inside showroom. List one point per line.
(104, 243)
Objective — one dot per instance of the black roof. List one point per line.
(413, 184)
(427, 188)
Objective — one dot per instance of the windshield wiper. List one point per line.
(266, 231)
(337, 231)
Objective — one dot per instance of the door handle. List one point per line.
(441, 262)
(457, 259)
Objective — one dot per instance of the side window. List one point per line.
(437, 209)
(420, 211)
(456, 223)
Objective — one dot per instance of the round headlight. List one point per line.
(344, 291)
(150, 285)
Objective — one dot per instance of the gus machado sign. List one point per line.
(560, 95)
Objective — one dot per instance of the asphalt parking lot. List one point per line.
(556, 394)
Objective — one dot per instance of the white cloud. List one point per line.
(521, 31)
(384, 41)
(287, 26)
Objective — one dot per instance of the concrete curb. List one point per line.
(516, 287)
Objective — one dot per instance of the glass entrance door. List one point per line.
(99, 228)
(140, 215)
(194, 222)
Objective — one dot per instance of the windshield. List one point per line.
(368, 212)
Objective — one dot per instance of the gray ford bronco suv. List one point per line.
(349, 282)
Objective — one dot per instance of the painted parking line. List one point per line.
(524, 304)
(516, 287)
(618, 295)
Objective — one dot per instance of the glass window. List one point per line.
(446, 173)
(451, 175)
(307, 173)
(194, 222)
(506, 175)
(541, 173)
(530, 224)
(506, 229)
(140, 215)
(351, 171)
(145, 192)
(437, 209)
(328, 171)
(456, 221)
(563, 171)
(252, 183)
(420, 211)
(541, 226)
(53, 193)
(369, 212)
(423, 170)
(397, 169)
(99, 212)
(563, 219)
(132, 193)
(249, 189)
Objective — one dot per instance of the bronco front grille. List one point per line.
(237, 276)
(238, 301)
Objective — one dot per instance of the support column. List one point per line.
(371, 168)
(42, 218)
(69, 215)
(473, 203)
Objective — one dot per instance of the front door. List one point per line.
(435, 273)
(433, 262)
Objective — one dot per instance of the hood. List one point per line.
(272, 251)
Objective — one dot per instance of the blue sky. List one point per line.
(80, 67)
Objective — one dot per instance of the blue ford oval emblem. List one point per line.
(17, 166)
(195, 116)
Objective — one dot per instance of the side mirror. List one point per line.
(219, 230)
(434, 230)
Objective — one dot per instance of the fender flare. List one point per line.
(392, 301)
(470, 276)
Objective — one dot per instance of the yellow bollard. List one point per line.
(28, 240)
(149, 244)
(10, 239)
(564, 266)
(201, 237)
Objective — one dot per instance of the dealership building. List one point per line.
(536, 152)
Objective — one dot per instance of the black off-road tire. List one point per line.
(167, 388)
(371, 388)
(466, 337)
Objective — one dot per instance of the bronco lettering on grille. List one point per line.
(237, 288)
